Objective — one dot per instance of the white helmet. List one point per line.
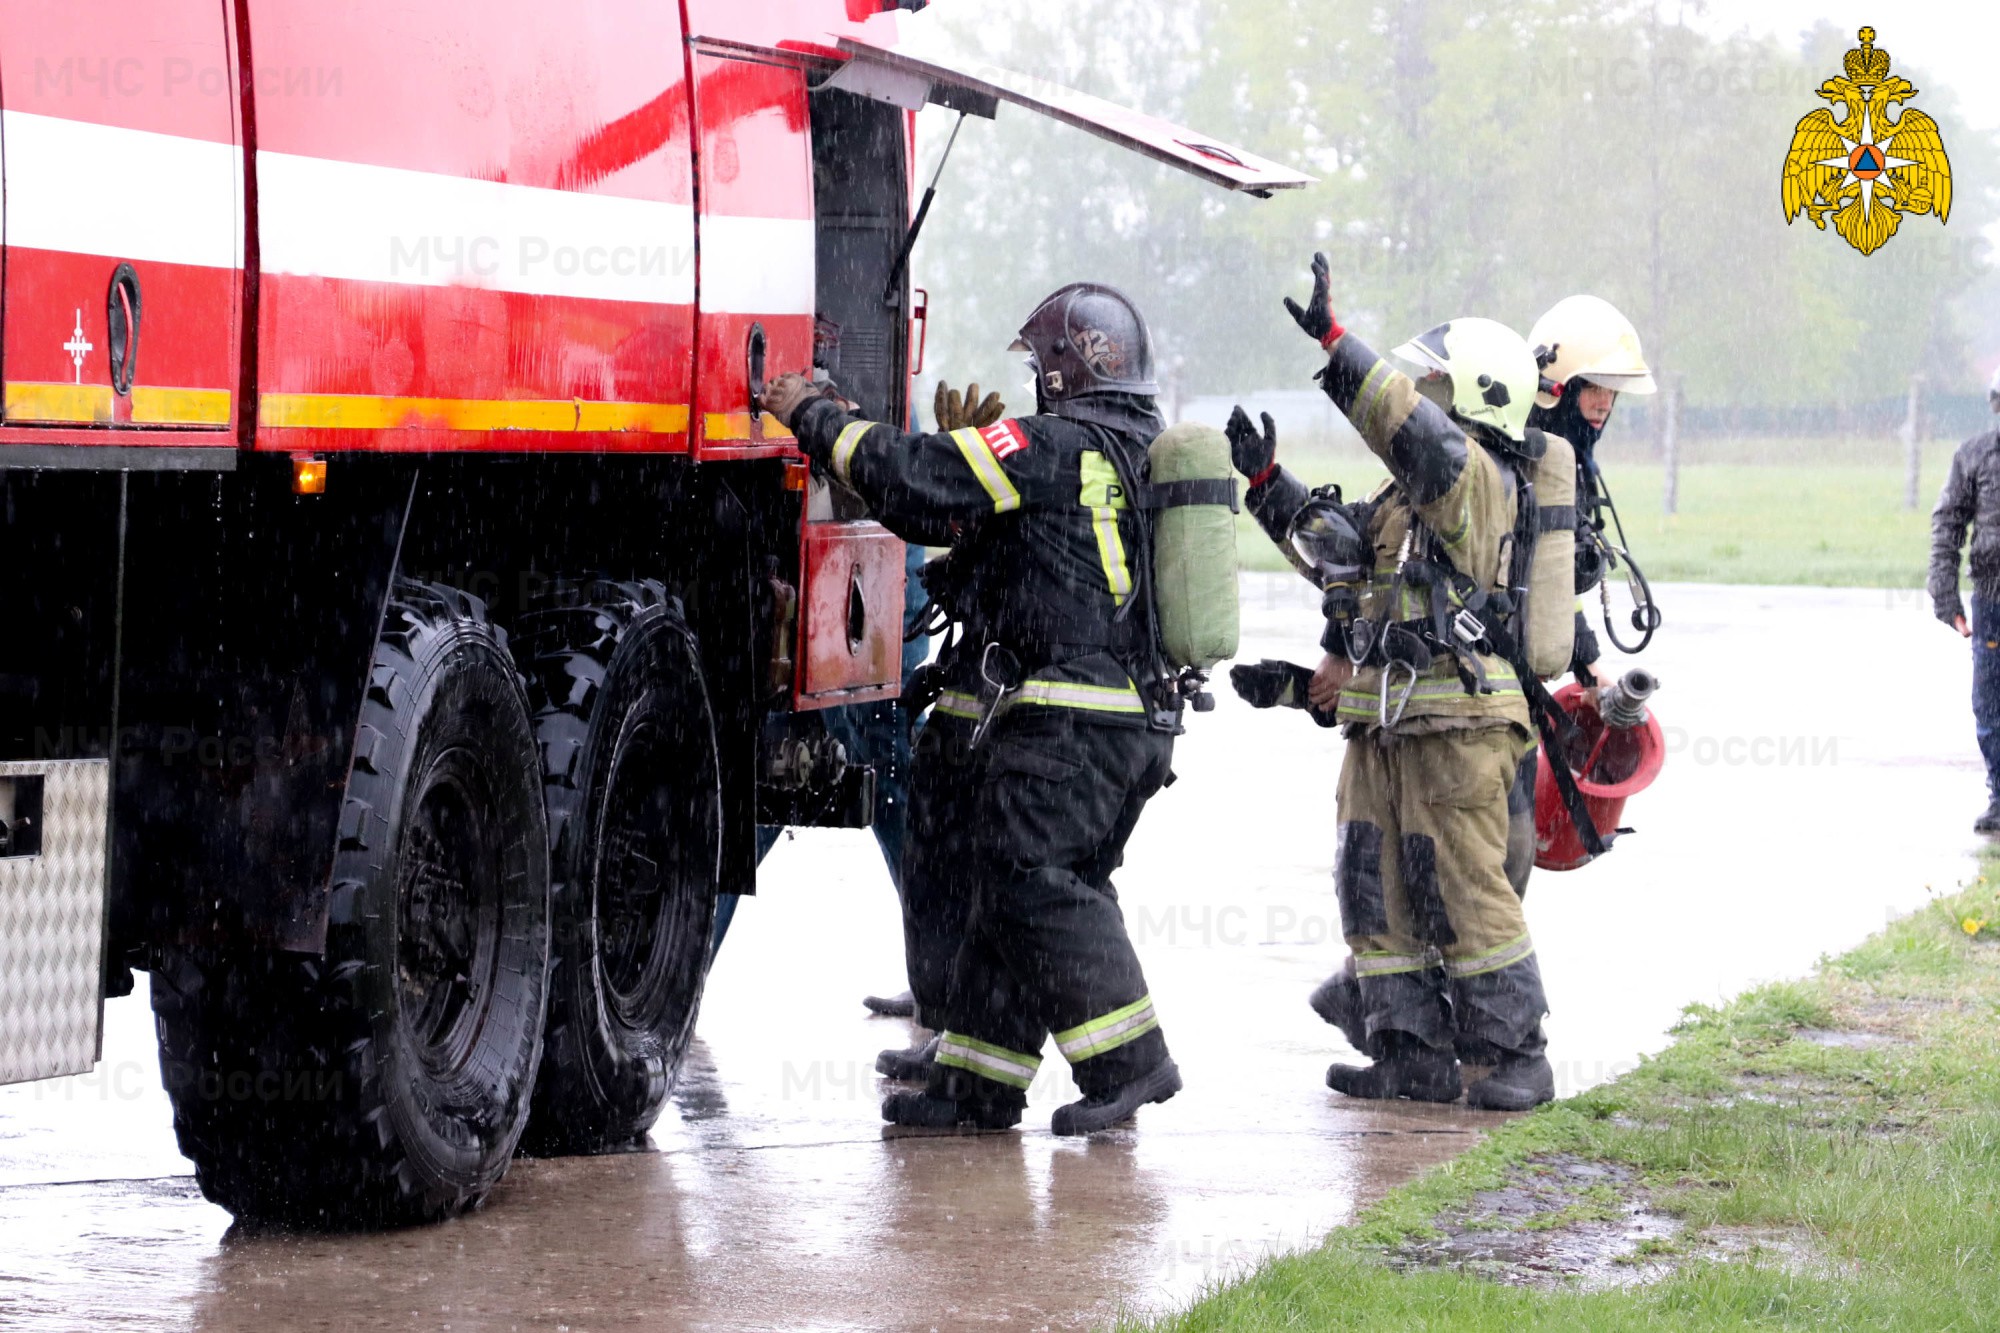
(1493, 374)
(1584, 337)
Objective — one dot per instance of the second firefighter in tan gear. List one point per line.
(1589, 354)
(1437, 722)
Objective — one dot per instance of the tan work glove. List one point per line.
(954, 411)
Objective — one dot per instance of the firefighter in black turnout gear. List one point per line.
(1052, 717)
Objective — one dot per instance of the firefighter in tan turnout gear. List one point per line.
(1053, 719)
(1589, 355)
(1437, 721)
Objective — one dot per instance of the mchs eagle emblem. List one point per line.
(1864, 169)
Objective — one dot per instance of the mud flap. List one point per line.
(52, 903)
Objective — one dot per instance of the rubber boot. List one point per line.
(1517, 1083)
(921, 1110)
(1104, 1110)
(1338, 1001)
(1990, 821)
(912, 1065)
(891, 1006)
(1404, 1067)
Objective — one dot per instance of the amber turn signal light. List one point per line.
(308, 476)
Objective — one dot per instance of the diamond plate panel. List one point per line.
(52, 928)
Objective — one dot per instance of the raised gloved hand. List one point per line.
(955, 411)
(1317, 319)
(1254, 455)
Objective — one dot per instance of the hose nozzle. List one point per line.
(1622, 704)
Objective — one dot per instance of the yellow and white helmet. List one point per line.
(1492, 371)
(1584, 337)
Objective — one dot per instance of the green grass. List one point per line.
(1883, 1163)
(1829, 525)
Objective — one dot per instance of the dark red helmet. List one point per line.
(1088, 339)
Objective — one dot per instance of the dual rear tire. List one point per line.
(390, 1081)
(387, 1082)
(635, 835)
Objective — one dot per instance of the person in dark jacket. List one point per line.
(1051, 729)
(1971, 498)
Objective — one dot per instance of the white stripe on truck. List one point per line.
(82, 188)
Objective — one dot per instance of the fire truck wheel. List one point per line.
(388, 1082)
(631, 778)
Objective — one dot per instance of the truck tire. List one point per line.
(632, 782)
(387, 1083)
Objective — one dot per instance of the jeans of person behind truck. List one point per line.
(877, 734)
(1986, 687)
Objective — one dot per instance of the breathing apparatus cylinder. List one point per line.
(1618, 754)
(1194, 550)
(1551, 620)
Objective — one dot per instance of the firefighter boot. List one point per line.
(891, 1006)
(1338, 1001)
(1990, 821)
(1517, 1083)
(1105, 1109)
(913, 1065)
(1404, 1067)
(923, 1110)
(956, 1100)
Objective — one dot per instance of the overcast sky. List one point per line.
(1957, 43)
(1954, 44)
(1936, 43)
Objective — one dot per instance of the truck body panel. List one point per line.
(301, 300)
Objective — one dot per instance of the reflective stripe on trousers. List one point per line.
(1512, 952)
(1517, 950)
(1108, 1033)
(987, 1060)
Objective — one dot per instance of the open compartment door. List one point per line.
(978, 88)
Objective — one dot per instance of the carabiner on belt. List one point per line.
(994, 688)
(1382, 713)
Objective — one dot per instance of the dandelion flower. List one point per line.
(1972, 925)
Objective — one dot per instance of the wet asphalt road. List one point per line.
(1805, 802)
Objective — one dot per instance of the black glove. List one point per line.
(1253, 454)
(1589, 562)
(1317, 319)
(1586, 652)
(1275, 684)
(1272, 684)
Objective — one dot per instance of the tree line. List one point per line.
(1474, 158)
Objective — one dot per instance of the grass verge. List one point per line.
(1826, 1153)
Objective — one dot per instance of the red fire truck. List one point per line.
(410, 612)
